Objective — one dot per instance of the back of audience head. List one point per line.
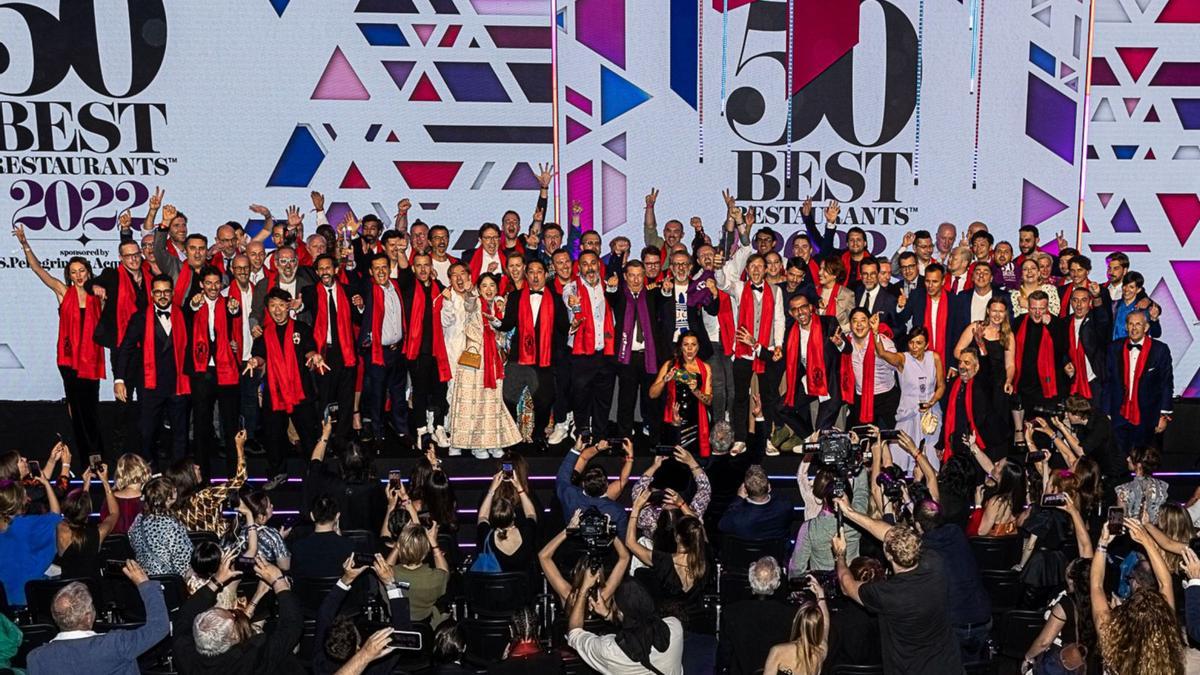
(439, 499)
(76, 508)
(259, 504)
(73, 608)
(132, 471)
(12, 466)
(412, 545)
(867, 569)
(159, 496)
(808, 636)
(1144, 460)
(12, 501)
(324, 510)
(720, 438)
(218, 630)
(902, 547)
(343, 639)
(765, 576)
(758, 486)
(185, 475)
(928, 516)
(523, 626)
(503, 516)
(594, 481)
(448, 642)
(206, 559)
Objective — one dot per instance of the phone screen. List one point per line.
(395, 479)
(507, 467)
(35, 468)
(1116, 520)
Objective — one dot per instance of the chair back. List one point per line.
(33, 636)
(495, 594)
(487, 637)
(364, 540)
(858, 670)
(39, 595)
(310, 592)
(1018, 629)
(1003, 587)
(996, 553)
(198, 536)
(115, 547)
(738, 554)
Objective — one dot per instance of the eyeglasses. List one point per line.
(132, 255)
(287, 261)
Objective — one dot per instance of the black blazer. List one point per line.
(128, 365)
(301, 341)
(1157, 384)
(561, 327)
(662, 329)
(695, 322)
(106, 329)
(1095, 334)
(833, 356)
(885, 304)
(1062, 356)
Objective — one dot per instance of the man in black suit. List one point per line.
(539, 345)
(124, 291)
(970, 410)
(1140, 384)
(289, 277)
(928, 305)
(150, 360)
(751, 627)
(424, 348)
(333, 333)
(640, 348)
(805, 382)
(1040, 356)
(1088, 333)
(380, 343)
(970, 306)
(872, 296)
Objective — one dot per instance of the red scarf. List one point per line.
(937, 325)
(76, 348)
(952, 418)
(1064, 308)
(235, 293)
(1081, 385)
(183, 284)
(183, 386)
(377, 308)
(701, 417)
(831, 303)
(527, 355)
(283, 371)
(416, 329)
(746, 320)
(1130, 409)
(227, 371)
(476, 264)
(493, 367)
(585, 337)
(817, 383)
(866, 408)
(725, 321)
(321, 323)
(1045, 360)
(848, 264)
(126, 302)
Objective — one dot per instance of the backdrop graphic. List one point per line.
(452, 103)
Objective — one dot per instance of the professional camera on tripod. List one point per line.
(841, 452)
(596, 530)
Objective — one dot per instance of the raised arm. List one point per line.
(558, 584)
(1100, 609)
(631, 534)
(59, 288)
(616, 487)
(649, 222)
(1157, 562)
(893, 359)
(110, 502)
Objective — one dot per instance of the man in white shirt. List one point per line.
(644, 639)
(213, 369)
(804, 385)
(454, 320)
(591, 344)
(241, 288)
(333, 332)
(882, 391)
(380, 346)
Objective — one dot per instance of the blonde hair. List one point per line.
(903, 545)
(1142, 636)
(1175, 522)
(808, 637)
(131, 470)
(412, 545)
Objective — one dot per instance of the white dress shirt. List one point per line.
(1134, 356)
(1091, 375)
(393, 317)
(598, 305)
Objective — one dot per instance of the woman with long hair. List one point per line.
(198, 505)
(1172, 531)
(80, 358)
(159, 539)
(805, 652)
(1031, 280)
(255, 537)
(565, 589)
(922, 384)
(678, 574)
(1003, 500)
(132, 474)
(1069, 635)
(995, 340)
(479, 421)
(1048, 531)
(685, 408)
(511, 541)
(1142, 634)
(79, 539)
(26, 541)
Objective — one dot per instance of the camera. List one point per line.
(1048, 411)
(597, 531)
(837, 452)
(891, 480)
(331, 413)
(363, 560)
(94, 463)
(801, 594)
(233, 501)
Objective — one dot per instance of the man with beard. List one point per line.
(150, 360)
(439, 242)
(676, 313)
(1077, 277)
(590, 241)
(1007, 272)
(487, 257)
(672, 232)
(211, 363)
(227, 247)
(333, 334)
(245, 331)
(920, 243)
(513, 242)
(812, 357)
(125, 291)
(366, 245)
(552, 238)
(592, 346)
(539, 345)
(284, 349)
(184, 274)
(380, 343)
(424, 346)
(1117, 267)
(1029, 241)
(290, 278)
(174, 223)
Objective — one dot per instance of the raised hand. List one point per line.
(806, 207)
(651, 198)
(1061, 240)
(697, 224)
(727, 196)
(908, 239)
(19, 233)
(403, 206)
(168, 213)
(294, 218)
(156, 199)
(125, 220)
(576, 209)
(832, 211)
(545, 175)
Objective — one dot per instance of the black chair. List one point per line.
(486, 637)
(1018, 629)
(495, 594)
(203, 535)
(738, 554)
(310, 593)
(39, 595)
(996, 553)
(4, 608)
(33, 636)
(416, 661)
(364, 540)
(858, 670)
(115, 547)
(1003, 587)
(980, 668)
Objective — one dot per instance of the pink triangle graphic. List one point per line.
(1188, 273)
(1104, 198)
(575, 130)
(354, 179)
(1183, 212)
(1130, 104)
(1037, 205)
(1152, 116)
(1149, 154)
(1136, 59)
(391, 137)
(339, 82)
(424, 30)
(1064, 70)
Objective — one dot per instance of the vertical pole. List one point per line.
(1087, 115)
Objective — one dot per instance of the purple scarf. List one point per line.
(643, 317)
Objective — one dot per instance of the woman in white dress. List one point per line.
(922, 384)
(479, 420)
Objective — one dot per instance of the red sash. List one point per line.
(1130, 409)
(1064, 308)
(126, 303)
(183, 284)
(847, 264)
(377, 309)
(321, 323)
(701, 417)
(725, 322)
(76, 348)
(283, 371)
(585, 337)
(183, 386)
(952, 418)
(527, 355)
(817, 382)
(227, 370)
(866, 407)
(416, 320)
(746, 320)
(1047, 378)
(476, 264)
(831, 304)
(937, 325)
(235, 293)
(493, 367)
(1080, 385)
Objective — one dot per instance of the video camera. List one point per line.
(597, 531)
(1049, 412)
(836, 451)
(891, 480)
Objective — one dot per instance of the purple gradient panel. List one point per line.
(1037, 205)
(617, 145)
(575, 130)
(521, 178)
(600, 26)
(399, 71)
(1102, 73)
(510, 7)
(520, 37)
(1193, 388)
(613, 196)
(1123, 220)
(1177, 74)
(1125, 248)
(579, 189)
(472, 82)
(579, 100)
(1050, 119)
(1188, 110)
(1171, 319)
(1188, 273)
(337, 211)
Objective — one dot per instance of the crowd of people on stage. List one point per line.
(969, 414)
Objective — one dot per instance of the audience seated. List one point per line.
(337, 638)
(809, 643)
(757, 514)
(853, 629)
(79, 539)
(580, 485)
(449, 650)
(322, 553)
(524, 655)
(644, 638)
(427, 584)
(750, 627)
(254, 537)
(509, 540)
(117, 651)
(27, 542)
(132, 474)
(159, 540)
(198, 505)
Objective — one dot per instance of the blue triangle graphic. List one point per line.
(562, 19)
(279, 6)
(618, 95)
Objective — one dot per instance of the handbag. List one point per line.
(486, 561)
(470, 359)
(1068, 659)
(929, 422)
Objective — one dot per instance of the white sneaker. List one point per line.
(479, 454)
(455, 452)
(772, 451)
(497, 453)
(441, 437)
(560, 433)
(737, 448)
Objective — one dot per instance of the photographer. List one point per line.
(678, 574)
(509, 540)
(566, 590)
(1082, 433)
(337, 638)
(579, 485)
(812, 542)
(220, 641)
(673, 480)
(645, 639)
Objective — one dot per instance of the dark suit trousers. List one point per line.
(157, 404)
(337, 386)
(799, 418)
(768, 392)
(248, 386)
(381, 383)
(206, 396)
(540, 382)
(126, 421)
(83, 401)
(591, 392)
(304, 417)
(885, 409)
(428, 392)
(633, 385)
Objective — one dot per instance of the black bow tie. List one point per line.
(163, 313)
(1133, 347)
(535, 292)
(757, 287)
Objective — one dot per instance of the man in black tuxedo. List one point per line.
(970, 306)
(806, 384)
(114, 284)
(872, 296)
(150, 360)
(289, 277)
(1140, 384)
(333, 333)
(1088, 332)
(212, 364)
(1040, 355)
